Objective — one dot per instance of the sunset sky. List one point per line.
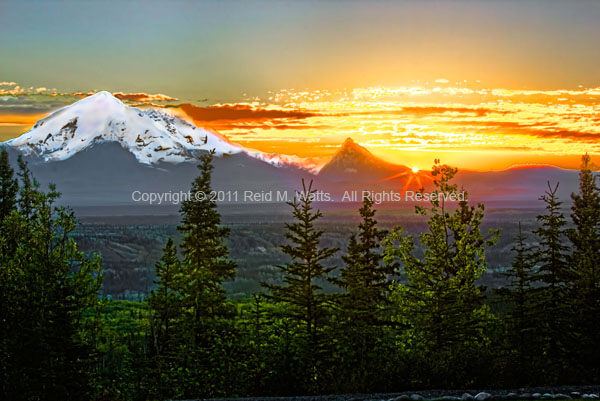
(481, 85)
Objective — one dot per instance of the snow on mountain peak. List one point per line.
(152, 136)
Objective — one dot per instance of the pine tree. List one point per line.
(165, 300)
(301, 293)
(8, 186)
(364, 305)
(208, 327)
(258, 362)
(8, 193)
(51, 290)
(165, 316)
(585, 262)
(364, 276)
(441, 302)
(28, 191)
(206, 256)
(555, 274)
(521, 320)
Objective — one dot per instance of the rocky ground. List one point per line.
(537, 393)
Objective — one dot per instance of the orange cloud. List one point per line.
(240, 112)
(142, 97)
(576, 136)
(244, 118)
(137, 97)
(438, 110)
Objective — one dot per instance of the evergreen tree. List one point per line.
(165, 316)
(364, 305)
(207, 354)
(8, 192)
(206, 256)
(165, 300)
(521, 320)
(364, 277)
(556, 275)
(585, 262)
(8, 186)
(258, 345)
(302, 294)
(441, 302)
(50, 290)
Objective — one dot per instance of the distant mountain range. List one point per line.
(98, 151)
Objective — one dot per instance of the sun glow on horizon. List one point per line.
(413, 176)
(468, 127)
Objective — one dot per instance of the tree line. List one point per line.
(403, 318)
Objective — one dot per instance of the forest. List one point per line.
(61, 339)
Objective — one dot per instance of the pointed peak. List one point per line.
(350, 146)
(104, 96)
(349, 142)
(352, 157)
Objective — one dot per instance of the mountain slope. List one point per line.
(354, 162)
(106, 174)
(152, 136)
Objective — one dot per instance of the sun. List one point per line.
(413, 176)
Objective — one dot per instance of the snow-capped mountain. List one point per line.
(152, 136)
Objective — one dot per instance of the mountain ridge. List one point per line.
(99, 150)
(353, 161)
(152, 136)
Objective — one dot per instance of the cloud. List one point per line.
(143, 97)
(557, 92)
(33, 103)
(249, 126)
(538, 129)
(575, 136)
(246, 112)
(491, 124)
(441, 81)
(135, 97)
(422, 110)
(15, 90)
(419, 111)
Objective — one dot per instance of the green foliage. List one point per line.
(206, 257)
(364, 277)
(556, 275)
(585, 265)
(431, 327)
(364, 306)
(48, 293)
(8, 186)
(165, 304)
(441, 304)
(165, 301)
(123, 371)
(306, 304)
(192, 331)
(522, 320)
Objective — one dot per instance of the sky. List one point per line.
(482, 85)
